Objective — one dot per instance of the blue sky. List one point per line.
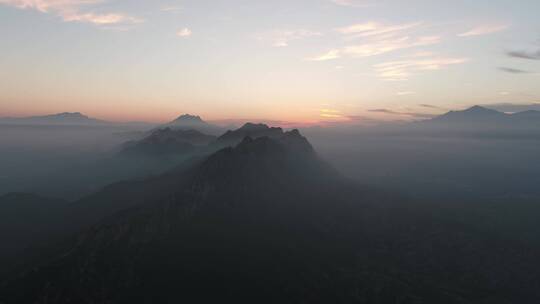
(303, 61)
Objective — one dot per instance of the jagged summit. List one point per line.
(233, 137)
(255, 127)
(69, 114)
(188, 118)
(291, 141)
(188, 121)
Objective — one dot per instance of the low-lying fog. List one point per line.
(70, 161)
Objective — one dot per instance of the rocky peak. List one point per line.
(189, 118)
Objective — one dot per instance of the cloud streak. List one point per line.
(375, 38)
(402, 69)
(330, 55)
(484, 30)
(353, 3)
(534, 55)
(184, 33)
(513, 70)
(370, 29)
(72, 11)
(330, 113)
(410, 114)
(374, 48)
(282, 38)
(429, 106)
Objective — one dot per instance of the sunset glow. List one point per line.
(303, 62)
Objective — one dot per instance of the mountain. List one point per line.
(65, 118)
(26, 220)
(187, 122)
(475, 114)
(233, 137)
(268, 221)
(478, 116)
(168, 141)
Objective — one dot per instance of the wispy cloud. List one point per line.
(405, 93)
(332, 54)
(353, 3)
(184, 33)
(410, 114)
(484, 30)
(430, 106)
(171, 8)
(375, 28)
(532, 55)
(330, 113)
(513, 70)
(403, 69)
(375, 38)
(374, 48)
(282, 38)
(72, 11)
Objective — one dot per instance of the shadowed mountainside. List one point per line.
(267, 221)
(168, 141)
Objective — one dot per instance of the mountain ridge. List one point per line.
(188, 121)
(267, 220)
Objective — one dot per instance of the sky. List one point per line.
(298, 61)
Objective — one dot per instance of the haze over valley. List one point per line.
(322, 151)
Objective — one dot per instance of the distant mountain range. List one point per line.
(267, 221)
(481, 116)
(66, 118)
(476, 116)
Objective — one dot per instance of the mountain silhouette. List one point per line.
(168, 141)
(233, 137)
(475, 114)
(193, 122)
(268, 221)
(478, 116)
(65, 118)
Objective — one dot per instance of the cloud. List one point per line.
(431, 106)
(374, 48)
(403, 69)
(282, 38)
(171, 8)
(184, 33)
(330, 113)
(484, 30)
(369, 29)
(71, 11)
(411, 114)
(532, 55)
(374, 38)
(330, 55)
(386, 111)
(513, 70)
(405, 93)
(353, 3)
